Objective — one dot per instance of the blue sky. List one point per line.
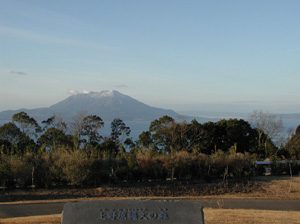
(214, 55)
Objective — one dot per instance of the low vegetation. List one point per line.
(258, 188)
(54, 155)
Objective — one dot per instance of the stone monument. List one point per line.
(133, 211)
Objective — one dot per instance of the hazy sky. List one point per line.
(219, 55)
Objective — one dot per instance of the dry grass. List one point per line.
(284, 188)
(241, 216)
(263, 188)
(278, 188)
(212, 216)
(49, 219)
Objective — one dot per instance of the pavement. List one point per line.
(49, 208)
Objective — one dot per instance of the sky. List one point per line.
(214, 55)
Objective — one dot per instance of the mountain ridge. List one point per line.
(113, 104)
(106, 104)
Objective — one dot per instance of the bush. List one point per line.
(240, 165)
(200, 166)
(21, 171)
(5, 171)
(150, 164)
(232, 164)
(75, 166)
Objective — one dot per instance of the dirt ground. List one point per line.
(264, 187)
(212, 216)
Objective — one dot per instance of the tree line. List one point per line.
(54, 153)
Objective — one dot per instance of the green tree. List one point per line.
(13, 140)
(194, 136)
(28, 125)
(160, 132)
(237, 133)
(53, 138)
(210, 138)
(90, 129)
(119, 129)
(145, 139)
(120, 133)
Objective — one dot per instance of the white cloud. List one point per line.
(86, 92)
(73, 92)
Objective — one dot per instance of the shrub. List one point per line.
(72, 167)
(5, 171)
(75, 166)
(150, 164)
(21, 171)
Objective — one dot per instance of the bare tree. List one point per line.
(77, 127)
(268, 124)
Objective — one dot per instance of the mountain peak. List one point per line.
(101, 94)
(107, 104)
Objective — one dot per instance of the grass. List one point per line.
(212, 216)
(242, 216)
(262, 188)
(273, 188)
(49, 219)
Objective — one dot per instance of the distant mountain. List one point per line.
(106, 104)
(137, 115)
(109, 105)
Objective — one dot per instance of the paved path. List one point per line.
(21, 210)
